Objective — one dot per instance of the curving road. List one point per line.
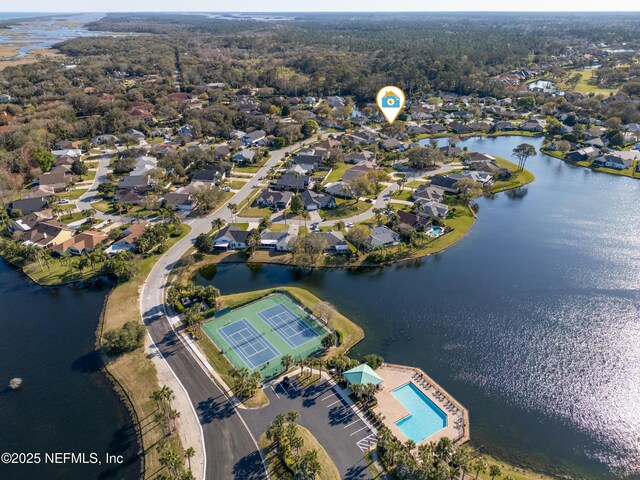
(227, 447)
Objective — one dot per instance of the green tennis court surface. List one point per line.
(259, 334)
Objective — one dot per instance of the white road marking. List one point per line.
(274, 391)
(328, 396)
(359, 430)
(337, 401)
(352, 423)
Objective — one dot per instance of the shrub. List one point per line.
(125, 339)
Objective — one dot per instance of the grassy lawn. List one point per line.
(241, 225)
(134, 373)
(259, 212)
(253, 168)
(414, 184)
(337, 172)
(276, 469)
(55, 272)
(74, 194)
(517, 179)
(402, 195)
(91, 174)
(236, 184)
(103, 206)
(344, 209)
(585, 84)
(278, 227)
(72, 217)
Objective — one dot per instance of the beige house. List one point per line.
(86, 241)
(47, 234)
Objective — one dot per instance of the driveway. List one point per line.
(337, 427)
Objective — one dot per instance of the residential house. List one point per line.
(459, 128)
(451, 151)
(383, 236)
(480, 177)
(291, 181)
(358, 157)
(276, 200)
(314, 201)
(339, 189)
(105, 139)
(254, 137)
(47, 234)
(414, 221)
(231, 237)
(534, 125)
(56, 179)
(67, 152)
(612, 161)
(392, 144)
(244, 156)
(221, 152)
(212, 173)
(83, 242)
(277, 241)
(428, 193)
(445, 182)
(432, 209)
(336, 244)
(504, 127)
(179, 201)
(130, 196)
(129, 237)
(584, 153)
(26, 222)
(307, 163)
(434, 128)
(359, 170)
(137, 134)
(30, 205)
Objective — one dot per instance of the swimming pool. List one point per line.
(435, 232)
(425, 417)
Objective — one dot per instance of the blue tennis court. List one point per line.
(249, 344)
(289, 326)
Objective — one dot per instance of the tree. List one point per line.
(373, 360)
(309, 466)
(563, 146)
(79, 168)
(359, 236)
(422, 158)
(125, 339)
(287, 361)
(494, 471)
(265, 223)
(45, 160)
(204, 243)
(217, 224)
(522, 152)
(253, 240)
(189, 453)
(309, 128)
(328, 341)
(469, 189)
(233, 208)
(297, 205)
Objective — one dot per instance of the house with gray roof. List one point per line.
(315, 201)
(231, 237)
(383, 236)
(432, 209)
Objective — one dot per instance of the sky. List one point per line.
(313, 5)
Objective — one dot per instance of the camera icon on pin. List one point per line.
(390, 100)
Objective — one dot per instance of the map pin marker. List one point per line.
(390, 100)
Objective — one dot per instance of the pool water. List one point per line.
(435, 232)
(425, 418)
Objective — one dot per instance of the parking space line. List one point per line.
(328, 396)
(359, 430)
(274, 391)
(337, 401)
(352, 423)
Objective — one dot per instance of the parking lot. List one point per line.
(339, 429)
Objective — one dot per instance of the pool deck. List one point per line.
(391, 410)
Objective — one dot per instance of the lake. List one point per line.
(532, 321)
(66, 404)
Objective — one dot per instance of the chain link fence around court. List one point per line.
(257, 335)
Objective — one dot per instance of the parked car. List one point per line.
(63, 201)
(368, 200)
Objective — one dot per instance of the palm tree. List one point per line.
(401, 183)
(306, 216)
(410, 444)
(233, 208)
(339, 225)
(286, 361)
(292, 416)
(494, 471)
(378, 214)
(217, 224)
(189, 453)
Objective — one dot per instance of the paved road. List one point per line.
(332, 422)
(229, 448)
(84, 201)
